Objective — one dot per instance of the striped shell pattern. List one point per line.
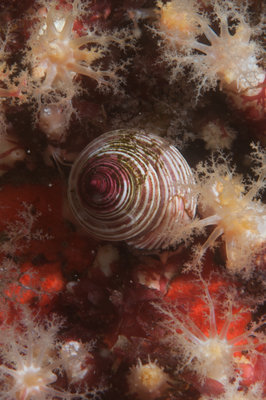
(131, 186)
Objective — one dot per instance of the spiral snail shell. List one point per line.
(131, 186)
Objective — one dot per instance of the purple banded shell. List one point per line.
(130, 186)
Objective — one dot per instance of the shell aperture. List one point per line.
(131, 186)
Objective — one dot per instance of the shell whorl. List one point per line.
(130, 186)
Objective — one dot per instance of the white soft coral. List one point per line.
(208, 347)
(233, 206)
(234, 391)
(31, 361)
(57, 54)
(230, 56)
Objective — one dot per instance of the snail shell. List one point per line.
(131, 186)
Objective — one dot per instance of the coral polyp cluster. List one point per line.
(132, 200)
(210, 349)
(33, 360)
(57, 53)
(233, 205)
(230, 57)
(148, 381)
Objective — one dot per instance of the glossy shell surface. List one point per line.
(131, 186)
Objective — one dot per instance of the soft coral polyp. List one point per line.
(218, 49)
(203, 321)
